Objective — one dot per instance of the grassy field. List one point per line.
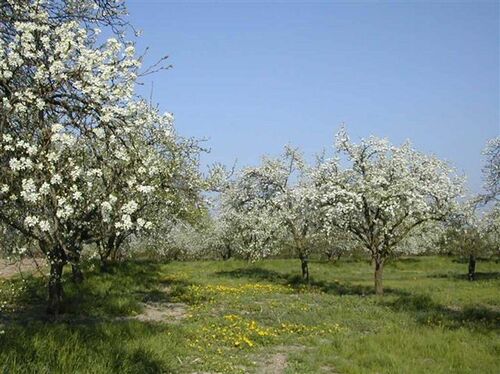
(230, 317)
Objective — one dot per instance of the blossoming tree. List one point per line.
(472, 233)
(66, 104)
(491, 170)
(475, 230)
(221, 235)
(384, 194)
(280, 199)
(154, 178)
(251, 228)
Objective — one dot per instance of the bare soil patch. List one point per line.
(162, 312)
(276, 363)
(9, 269)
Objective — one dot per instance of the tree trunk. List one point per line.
(329, 254)
(333, 254)
(104, 264)
(105, 249)
(379, 269)
(77, 274)
(472, 267)
(227, 255)
(76, 271)
(304, 262)
(54, 306)
(115, 253)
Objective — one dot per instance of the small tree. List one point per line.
(473, 234)
(273, 202)
(475, 230)
(384, 194)
(221, 235)
(334, 243)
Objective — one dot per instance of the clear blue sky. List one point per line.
(252, 77)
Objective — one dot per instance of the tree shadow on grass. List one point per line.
(62, 347)
(90, 336)
(407, 260)
(483, 260)
(421, 307)
(480, 276)
(427, 312)
(117, 292)
(120, 291)
(299, 284)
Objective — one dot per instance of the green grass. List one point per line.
(244, 317)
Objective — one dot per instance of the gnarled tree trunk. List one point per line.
(105, 249)
(109, 250)
(56, 294)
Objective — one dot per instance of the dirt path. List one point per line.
(9, 269)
